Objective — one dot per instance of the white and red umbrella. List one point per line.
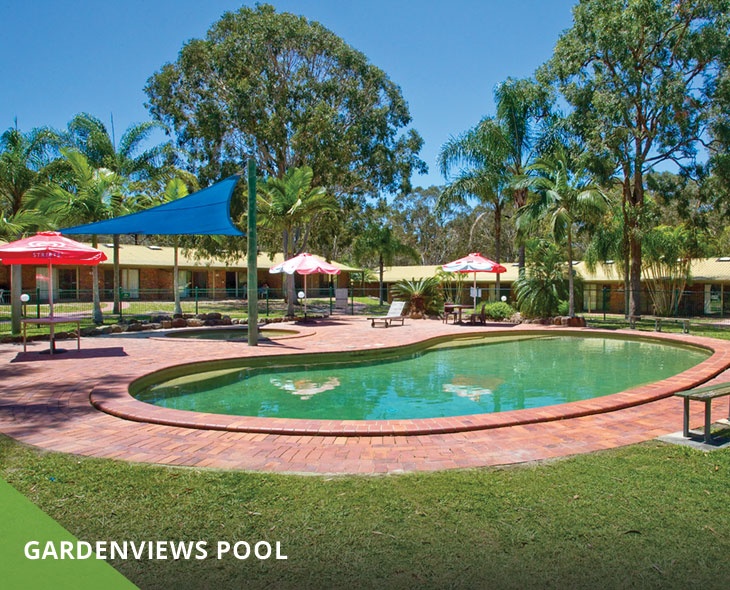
(51, 248)
(305, 264)
(474, 263)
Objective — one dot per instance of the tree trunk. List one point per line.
(97, 314)
(521, 201)
(16, 305)
(571, 282)
(289, 288)
(380, 283)
(117, 300)
(636, 202)
(176, 278)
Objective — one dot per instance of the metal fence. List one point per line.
(355, 300)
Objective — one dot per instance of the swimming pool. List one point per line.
(455, 378)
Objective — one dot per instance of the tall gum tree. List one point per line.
(289, 93)
(640, 76)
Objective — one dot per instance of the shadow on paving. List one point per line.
(68, 354)
(51, 406)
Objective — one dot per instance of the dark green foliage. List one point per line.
(288, 92)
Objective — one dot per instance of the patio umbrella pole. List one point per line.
(51, 334)
(475, 291)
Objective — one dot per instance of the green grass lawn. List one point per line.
(646, 516)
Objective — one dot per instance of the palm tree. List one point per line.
(502, 147)
(524, 128)
(143, 170)
(481, 174)
(24, 158)
(87, 195)
(565, 199)
(290, 205)
(378, 240)
(540, 290)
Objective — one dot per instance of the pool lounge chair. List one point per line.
(395, 314)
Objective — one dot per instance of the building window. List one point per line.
(130, 282)
(65, 283)
(713, 299)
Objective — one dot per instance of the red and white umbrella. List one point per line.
(50, 247)
(474, 263)
(305, 264)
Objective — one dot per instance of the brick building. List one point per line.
(146, 272)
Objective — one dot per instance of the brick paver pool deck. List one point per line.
(47, 402)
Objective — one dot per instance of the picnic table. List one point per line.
(52, 322)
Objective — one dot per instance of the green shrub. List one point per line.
(563, 308)
(498, 311)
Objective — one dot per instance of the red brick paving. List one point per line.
(46, 402)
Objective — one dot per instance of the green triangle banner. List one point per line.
(25, 532)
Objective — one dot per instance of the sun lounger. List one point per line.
(395, 314)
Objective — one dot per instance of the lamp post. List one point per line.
(24, 298)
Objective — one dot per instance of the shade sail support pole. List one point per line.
(252, 276)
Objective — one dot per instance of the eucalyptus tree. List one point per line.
(640, 76)
(288, 92)
(565, 198)
(290, 206)
(86, 195)
(417, 221)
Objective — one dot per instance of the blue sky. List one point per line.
(59, 58)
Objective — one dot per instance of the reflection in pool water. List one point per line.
(495, 375)
(304, 388)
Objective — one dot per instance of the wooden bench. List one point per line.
(706, 395)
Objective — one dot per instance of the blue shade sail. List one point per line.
(206, 212)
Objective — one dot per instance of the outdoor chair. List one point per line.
(395, 314)
(450, 312)
(480, 317)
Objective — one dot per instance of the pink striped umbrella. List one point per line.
(474, 263)
(305, 264)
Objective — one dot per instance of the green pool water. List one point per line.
(446, 380)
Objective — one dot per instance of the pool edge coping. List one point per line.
(115, 399)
